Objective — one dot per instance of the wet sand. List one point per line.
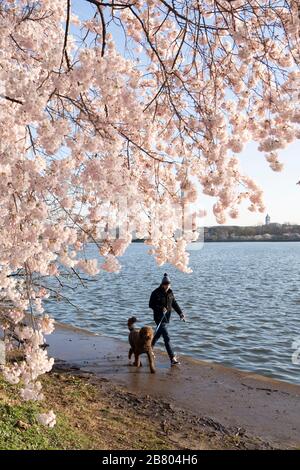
(262, 407)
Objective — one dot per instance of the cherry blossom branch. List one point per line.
(64, 51)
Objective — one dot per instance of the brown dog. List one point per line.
(140, 342)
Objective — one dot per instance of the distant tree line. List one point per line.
(264, 232)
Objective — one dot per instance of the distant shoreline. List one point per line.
(253, 240)
(237, 240)
(271, 232)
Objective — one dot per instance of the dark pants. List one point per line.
(163, 331)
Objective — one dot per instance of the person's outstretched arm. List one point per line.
(177, 308)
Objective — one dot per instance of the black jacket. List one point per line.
(160, 299)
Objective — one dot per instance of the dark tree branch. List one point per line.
(9, 98)
(64, 51)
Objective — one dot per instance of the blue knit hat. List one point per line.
(166, 279)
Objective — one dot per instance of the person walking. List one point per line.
(162, 300)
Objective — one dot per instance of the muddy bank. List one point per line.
(254, 405)
(115, 418)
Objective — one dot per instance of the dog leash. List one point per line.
(157, 328)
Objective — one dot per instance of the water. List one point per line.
(242, 302)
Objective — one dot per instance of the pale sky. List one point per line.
(281, 194)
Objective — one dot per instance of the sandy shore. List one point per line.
(255, 405)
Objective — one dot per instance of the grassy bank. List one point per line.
(84, 419)
(92, 413)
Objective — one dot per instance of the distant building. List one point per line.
(268, 219)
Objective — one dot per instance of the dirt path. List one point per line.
(257, 411)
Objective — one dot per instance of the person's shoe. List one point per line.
(174, 361)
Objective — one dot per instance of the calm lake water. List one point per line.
(242, 303)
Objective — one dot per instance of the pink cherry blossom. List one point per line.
(47, 419)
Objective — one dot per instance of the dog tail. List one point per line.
(131, 322)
